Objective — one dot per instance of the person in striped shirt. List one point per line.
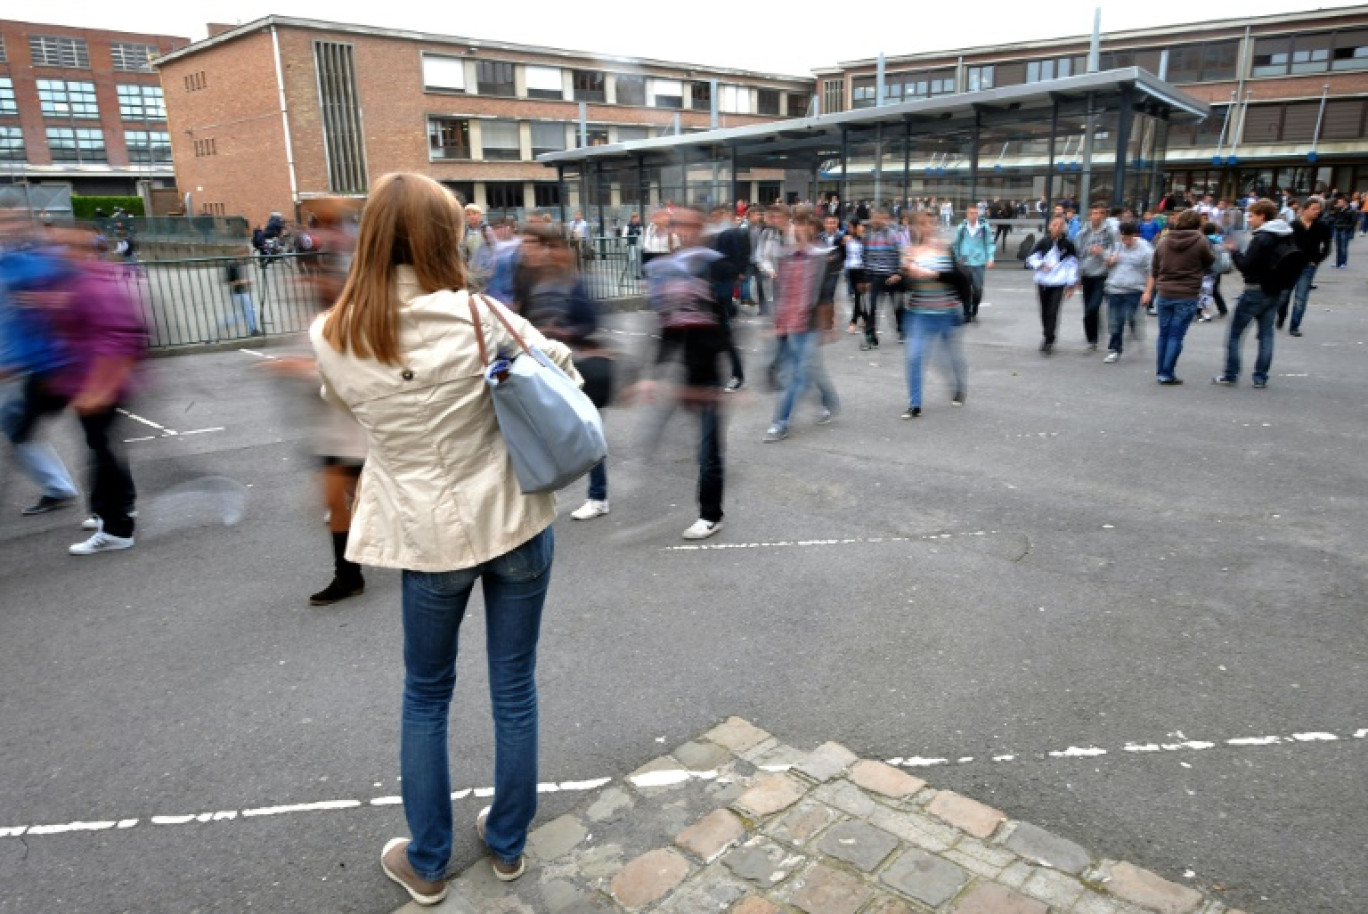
(882, 255)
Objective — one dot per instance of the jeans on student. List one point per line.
(976, 278)
(38, 460)
(1254, 306)
(1093, 287)
(710, 467)
(1120, 312)
(243, 300)
(434, 604)
(1342, 239)
(923, 328)
(1301, 292)
(598, 481)
(800, 366)
(879, 286)
(1175, 314)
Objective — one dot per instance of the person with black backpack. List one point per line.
(1271, 264)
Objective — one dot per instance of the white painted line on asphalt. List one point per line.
(788, 544)
(260, 355)
(136, 418)
(144, 438)
(203, 431)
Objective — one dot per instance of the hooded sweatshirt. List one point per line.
(1181, 259)
(1256, 261)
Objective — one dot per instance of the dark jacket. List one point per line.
(1314, 241)
(1066, 247)
(1256, 261)
(734, 246)
(1344, 219)
(1181, 259)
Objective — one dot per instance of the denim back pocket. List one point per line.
(529, 561)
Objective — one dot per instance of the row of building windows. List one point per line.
(449, 138)
(1286, 122)
(87, 145)
(499, 79)
(76, 99)
(74, 53)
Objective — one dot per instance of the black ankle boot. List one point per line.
(347, 580)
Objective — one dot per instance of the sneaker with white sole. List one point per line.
(1112, 356)
(394, 861)
(93, 521)
(101, 542)
(503, 870)
(775, 433)
(590, 509)
(702, 529)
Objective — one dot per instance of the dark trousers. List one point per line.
(856, 278)
(112, 494)
(878, 285)
(723, 293)
(1000, 232)
(1050, 299)
(1093, 287)
(710, 466)
(1217, 297)
(38, 402)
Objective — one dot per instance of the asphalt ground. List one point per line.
(1080, 569)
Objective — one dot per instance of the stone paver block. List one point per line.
(1015, 876)
(713, 890)
(885, 779)
(846, 797)
(609, 804)
(1093, 903)
(711, 835)
(1037, 844)
(827, 761)
(990, 898)
(649, 878)
(762, 861)
(971, 863)
(823, 890)
(754, 904)
(736, 734)
(966, 814)
(774, 754)
(887, 904)
(1054, 888)
(556, 838)
(701, 756)
(925, 878)
(995, 856)
(916, 828)
(861, 845)
(561, 897)
(799, 824)
(1151, 891)
(771, 793)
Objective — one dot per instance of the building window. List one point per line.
(11, 144)
(499, 141)
(547, 136)
(907, 86)
(1209, 62)
(148, 147)
(798, 104)
(495, 77)
(590, 86)
(7, 102)
(503, 195)
(59, 51)
(59, 98)
(1351, 51)
(132, 58)
(1058, 68)
(343, 137)
(863, 91)
(596, 135)
(206, 147)
(464, 190)
(546, 195)
(736, 100)
(665, 93)
(979, 78)
(76, 144)
(448, 138)
(700, 96)
(3, 57)
(443, 74)
(767, 101)
(544, 82)
(833, 96)
(142, 103)
(631, 90)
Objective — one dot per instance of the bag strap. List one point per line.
(497, 311)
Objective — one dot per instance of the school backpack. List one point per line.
(1288, 263)
(1027, 245)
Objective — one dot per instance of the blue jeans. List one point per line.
(1120, 311)
(434, 603)
(1253, 306)
(243, 300)
(18, 417)
(598, 481)
(1175, 314)
(1300, 293)
(922, 328)
(1342, 239)
(801, 365)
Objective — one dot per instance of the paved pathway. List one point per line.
(736, 821)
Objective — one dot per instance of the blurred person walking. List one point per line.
(1313, 235)
(973, 249)
(882, 256)
(1343, 219)
(856, 284)
(1181, 259)
(733, 243)
(1127, 278)
(1055, 262)
(1095, 242)
(937, 296)
(439, 500)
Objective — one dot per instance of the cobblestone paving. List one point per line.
(737, 822)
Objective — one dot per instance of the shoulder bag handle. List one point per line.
(479, 329)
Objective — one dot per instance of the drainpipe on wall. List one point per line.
(285, 118)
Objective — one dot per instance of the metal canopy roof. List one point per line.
(800, 139)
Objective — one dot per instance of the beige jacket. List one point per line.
(438, 491)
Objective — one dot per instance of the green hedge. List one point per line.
(84, 207)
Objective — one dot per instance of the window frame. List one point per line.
(442, 62)
(555, 95)
(588, 91)
(436, 125)
(12, 140)
(672, 101)
(78, 135)
(60, 44)
(543, 150)
(136, 100)
(48, 98)
(776, 97)
(119, 51)
(151, 147)
(9, 105)
(502, 153)
(496, 89)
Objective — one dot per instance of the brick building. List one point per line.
(266, 115)
(81, 111)
(1289, 95)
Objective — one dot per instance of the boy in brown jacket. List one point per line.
(1181, 259)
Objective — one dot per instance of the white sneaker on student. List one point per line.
(590, 509)
(702, 529)
(1112, 356)
(101, 542)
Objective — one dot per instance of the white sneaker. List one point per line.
(1112, 357)
(702, 529)
(101, 542)
(93, 522)
(590, 509)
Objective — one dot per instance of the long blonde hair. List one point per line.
(409, 220)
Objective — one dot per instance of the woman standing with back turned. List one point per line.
(439, 500)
